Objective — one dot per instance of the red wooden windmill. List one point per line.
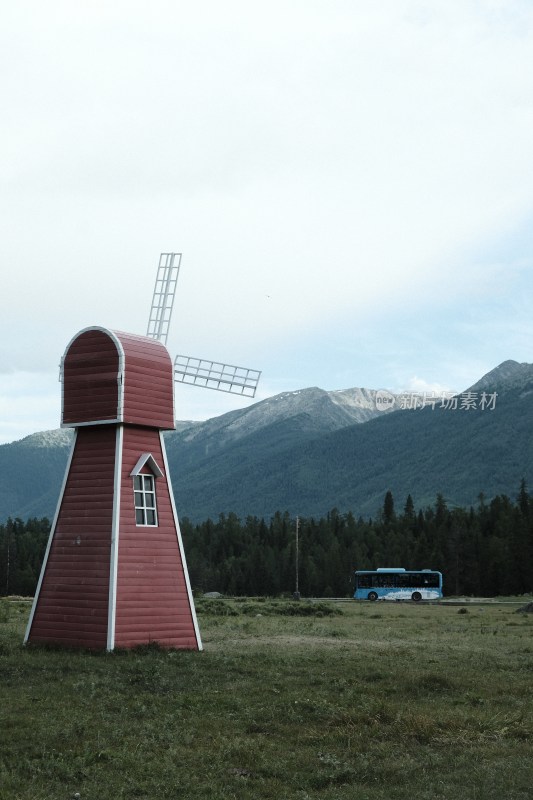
(114, 572)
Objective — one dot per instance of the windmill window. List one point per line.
(145, 505)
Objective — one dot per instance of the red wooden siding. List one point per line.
(152, 601)
(72, 607)
(118, 392)
(90, 371)
(148, 382)
(117, 377)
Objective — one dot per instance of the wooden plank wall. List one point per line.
(90, 371)
(148, 382)
(152, 601)
(95, 389)
(72, 607)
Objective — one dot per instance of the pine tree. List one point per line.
(409, 508)
(523, 499)
(388, 507)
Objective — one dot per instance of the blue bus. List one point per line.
(398, 584)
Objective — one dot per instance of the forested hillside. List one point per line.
(302, 452)
(486, 550)
(458, 452)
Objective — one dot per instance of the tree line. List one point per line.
(22, 548)
(484, 550)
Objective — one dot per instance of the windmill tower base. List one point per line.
(103, 585)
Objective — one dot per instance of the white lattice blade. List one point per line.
(164, 294)
(214, 375)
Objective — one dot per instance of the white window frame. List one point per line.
(145, 500)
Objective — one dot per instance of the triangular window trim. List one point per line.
(148, 460)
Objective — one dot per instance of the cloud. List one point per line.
(420, 385)
(319, 164)
(29, 402)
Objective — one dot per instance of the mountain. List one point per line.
(311, 450)
(507, 375)
(33, 467)
(32, 470)
(294, 416)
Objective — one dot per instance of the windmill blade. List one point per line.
(213, 375)
(164, 293)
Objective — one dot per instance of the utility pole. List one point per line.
(296, 594)
(8, 540)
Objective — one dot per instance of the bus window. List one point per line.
(403, 580)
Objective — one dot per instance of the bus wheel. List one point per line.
(372, 596)
(416, 596)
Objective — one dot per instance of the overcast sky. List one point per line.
(350, 183)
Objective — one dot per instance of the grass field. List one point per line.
(356, 700)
